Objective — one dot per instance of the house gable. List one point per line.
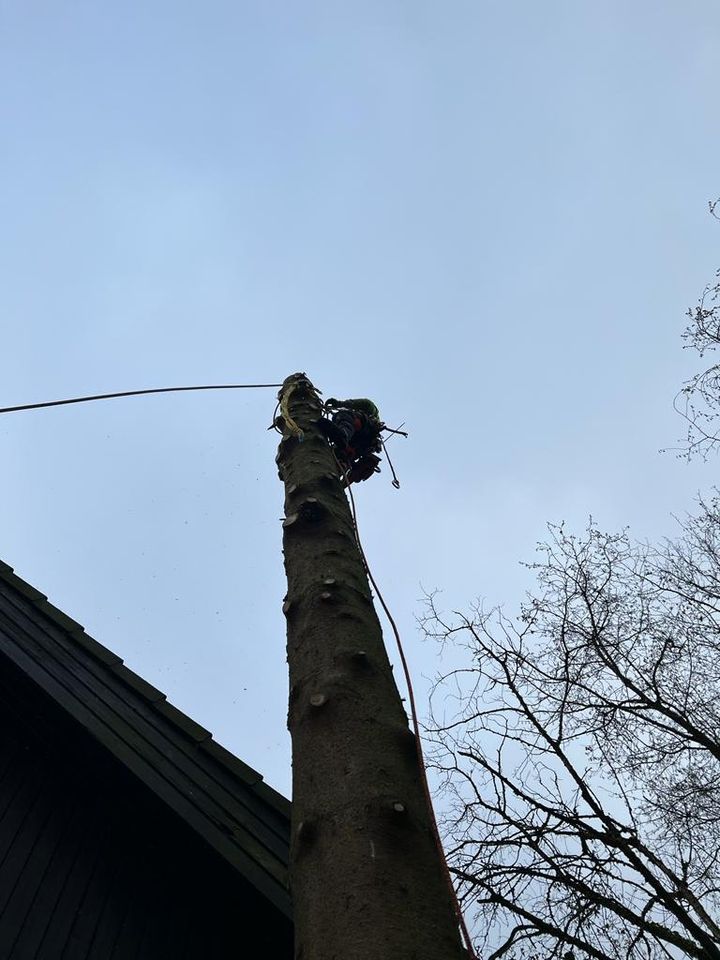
(218, 797)
(94, 865)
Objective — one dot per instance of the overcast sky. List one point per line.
(490, 217)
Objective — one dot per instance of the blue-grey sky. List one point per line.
(489, 217)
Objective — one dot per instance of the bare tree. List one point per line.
(581, 751)
(368, 880)
(699, 400)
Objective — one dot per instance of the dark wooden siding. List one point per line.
(220, 798)
(93, 865)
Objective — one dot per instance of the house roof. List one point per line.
(221, 798)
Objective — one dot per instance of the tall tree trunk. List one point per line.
(366, 876)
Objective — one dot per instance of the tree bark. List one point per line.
(366, 875)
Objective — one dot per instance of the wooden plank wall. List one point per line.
(219, 797)
(94, 867)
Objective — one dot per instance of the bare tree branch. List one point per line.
(581, 754)
(698, 402)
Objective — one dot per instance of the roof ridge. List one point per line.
(158, 700)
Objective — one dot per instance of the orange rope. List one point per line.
(416, 728)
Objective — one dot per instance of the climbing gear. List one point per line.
(418, 740)
(395, 481)
(362, 404)
(284, 398)
(363, 468)
(354, 430)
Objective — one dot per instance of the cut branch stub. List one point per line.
(312, 510)
(306, 832)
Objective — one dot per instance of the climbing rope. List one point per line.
(416, 729)
(137, 393)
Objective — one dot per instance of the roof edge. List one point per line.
(237, 768)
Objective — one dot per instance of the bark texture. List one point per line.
(366, 877)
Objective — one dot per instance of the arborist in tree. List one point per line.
(354, 432)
